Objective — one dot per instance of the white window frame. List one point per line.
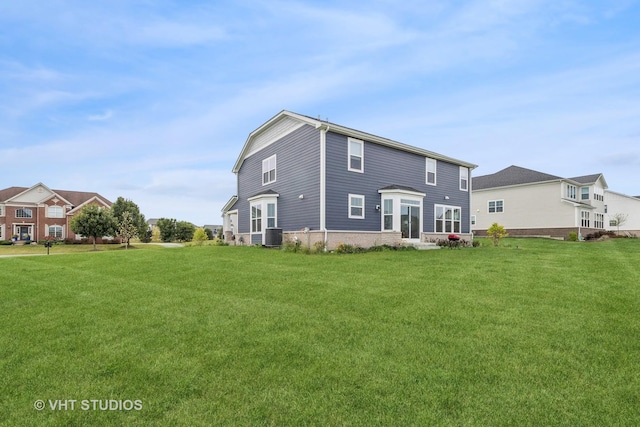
(464, 177)
(263, 201)
(57, 209)
(495, 206)
(56, 227)
(431, 166)
(273, 217)
(444, 220)
(582, 193)
(386, 214)
(572, 192)
(267, 169)
(398, 196)
(585, 221)
(256, 220)
(24, 210)
(359, 142)
(353, 197)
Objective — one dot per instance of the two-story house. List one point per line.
(322, 182)
(35, 212)
(532, 203)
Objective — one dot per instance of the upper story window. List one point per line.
(571, 191)
(54, 212)
(598, 194)
(431, 171)
(1, 210)
(269, 170)
(464, 178)
(24, 213)
(356, 155)
(584, 191)
(356, 206)
(496, 206)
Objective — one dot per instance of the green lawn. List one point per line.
(535, 332)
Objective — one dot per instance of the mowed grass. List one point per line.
(535, 333)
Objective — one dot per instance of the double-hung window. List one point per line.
(431, 171)
(55, 231)
(584, 191)
(256, 218)
(356, 155)
(388, 214)
(464, 178)
(271, 215)
(54, 212)
(585, 219)
(269, 170)
(571, 191)
(356, 206)
(496, 206)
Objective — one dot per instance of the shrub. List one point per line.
(573, 236)
(345, 248)
(6, 242)
(292, 245)
(496, 232)
(319, 247)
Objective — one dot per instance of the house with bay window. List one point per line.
(531, 203)
(318, 181)
(32, 213)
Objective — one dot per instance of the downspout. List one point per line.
(324, 128)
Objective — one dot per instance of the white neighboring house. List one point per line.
(628, 207)
(532, 203)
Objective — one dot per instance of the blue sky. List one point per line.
(153, 100)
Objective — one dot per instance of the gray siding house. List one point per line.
(322, 182)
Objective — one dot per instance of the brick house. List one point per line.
(35, 212)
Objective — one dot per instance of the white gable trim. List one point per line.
(93, 199)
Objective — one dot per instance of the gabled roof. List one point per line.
(75, 198)
(590, 179)
(516, 175)
(513, 175)
(287, 121)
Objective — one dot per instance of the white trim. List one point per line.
(464, 176)
(248, 149)
(349, 154)
(275, 172)
(323, 177)
(356, 196)
(435, 219)
(397, 195)
(263, 200)
(435, 171)
(495, 206)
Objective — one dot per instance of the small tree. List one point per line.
(94, 221)
(167, 229)
(155, 234)
(184, 231)
(496, 232)
(620, 219)
(127, 229)
(123, 205)
(200, 236)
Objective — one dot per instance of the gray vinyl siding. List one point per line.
(384, 166)
(297, 172)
